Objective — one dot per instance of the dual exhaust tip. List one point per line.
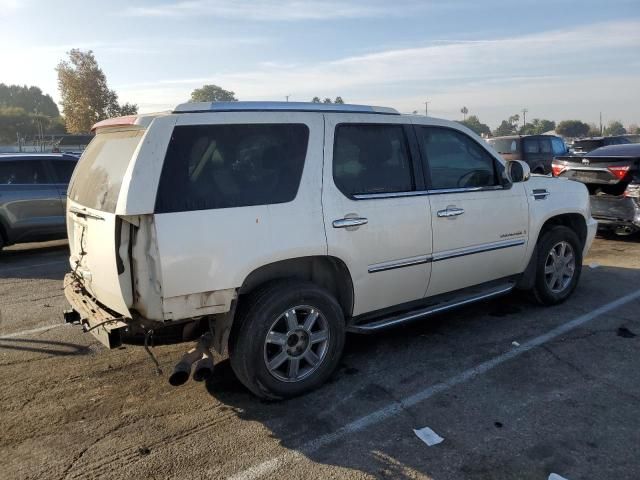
(198, 359)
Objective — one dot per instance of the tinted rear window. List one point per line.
(98, 176)
(224, 166)
(63, 170)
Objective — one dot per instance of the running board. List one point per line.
(392, 320)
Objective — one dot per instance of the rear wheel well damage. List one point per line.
(574, 221)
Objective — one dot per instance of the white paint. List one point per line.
(555, 476)
(396, 407)
(33, 330)
(428, 436)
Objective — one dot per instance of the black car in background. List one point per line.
(537, 150)
(586, 145)
(612, 175)
(33, 189)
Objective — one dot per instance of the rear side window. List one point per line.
(504, 145)
(63, 170)
(224, 166)
(558, 146)
(455, 160)
(23, 172)
(371, 159)
(98, 177)
(531, 145)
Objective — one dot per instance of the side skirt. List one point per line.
(388, 318)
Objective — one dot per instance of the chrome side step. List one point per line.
(393, 320)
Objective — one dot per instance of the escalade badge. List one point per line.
(585, 161)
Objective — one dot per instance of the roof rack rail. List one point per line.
(281, 107)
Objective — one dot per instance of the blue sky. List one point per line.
(559, 59)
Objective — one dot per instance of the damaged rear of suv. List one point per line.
(612, 175)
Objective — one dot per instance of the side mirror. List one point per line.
(518, 171)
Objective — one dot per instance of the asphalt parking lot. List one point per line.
(564, 398)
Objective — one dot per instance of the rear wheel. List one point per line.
(289, 339)
(559, 265)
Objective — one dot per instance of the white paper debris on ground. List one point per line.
(592, 265)
(515, 344)
(428, 436)
(555, 476)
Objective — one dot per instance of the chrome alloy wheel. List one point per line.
(560, 267)
(296, 343)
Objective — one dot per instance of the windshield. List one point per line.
(98, 176)
(504, 145)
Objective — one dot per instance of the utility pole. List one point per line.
(287, 97)
(426, 109)
(601, 131)
(524, 116)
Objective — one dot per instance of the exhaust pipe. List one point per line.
(204, 367)
(199, 353)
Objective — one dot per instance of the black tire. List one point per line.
(255, 319)
(549, 239)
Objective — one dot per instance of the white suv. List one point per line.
(268, 230)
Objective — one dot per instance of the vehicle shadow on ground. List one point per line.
(47, 347)
(299, 421)
(44, 263)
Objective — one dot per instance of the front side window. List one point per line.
(531, 145)
(224, 166)
(370, 159)
(455, 160)
(22, 172)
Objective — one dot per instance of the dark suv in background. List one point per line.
(537, 150)
(33, 190)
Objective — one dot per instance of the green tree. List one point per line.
(473, 123)
(212, 93)
(30, 99)
(85, 96)
(537, 127)
(16, 122)
(615, 128)
(633, 129)
(339, 100)
(464, 111)
(315, 100)
(505, 128)
(572, 128)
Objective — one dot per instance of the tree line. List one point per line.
(537, 126)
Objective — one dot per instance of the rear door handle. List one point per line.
(349, 222)
(450, 212)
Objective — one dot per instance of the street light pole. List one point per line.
(426, 109)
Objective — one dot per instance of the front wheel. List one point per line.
(559, 265)
(289, 339)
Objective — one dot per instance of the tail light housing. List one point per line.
(557, 168)
(619, 172)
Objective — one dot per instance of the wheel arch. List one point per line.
(328, 272)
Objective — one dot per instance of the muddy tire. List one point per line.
(288, 339)
(559, 265)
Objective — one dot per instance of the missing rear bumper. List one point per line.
(105, 325)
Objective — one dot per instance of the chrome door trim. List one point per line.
(486, 247)
(418, 193)
(349, 222)
(405, 262)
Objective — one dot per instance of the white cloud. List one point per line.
(511, 72)
(285, 10)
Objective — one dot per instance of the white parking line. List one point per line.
(26, 267)
(384, 413)
(33, 330)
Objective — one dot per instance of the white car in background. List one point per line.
(268, 230)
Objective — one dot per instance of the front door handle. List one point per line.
(349, 222)
(450, 212)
